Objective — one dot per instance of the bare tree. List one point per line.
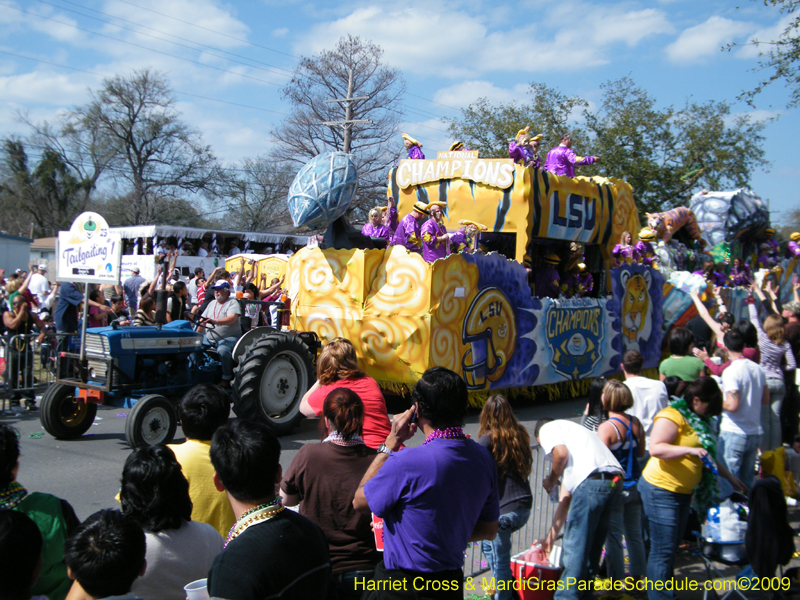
(159, 155)
(254, 194)
(351, 70)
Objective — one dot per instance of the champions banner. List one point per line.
(579, 338)
(638, 291)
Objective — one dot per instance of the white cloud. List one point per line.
(280, 33)
(201, 21)
(38, 87)
(467, 92)
(765, 34)
(436, 40)
(705, 39)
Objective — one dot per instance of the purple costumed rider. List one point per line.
(547, 281)
(435, 239)
(413, 146)
(740, 274)
(466, 238)
(524, 148)
(793, 248)
(375, 226)
(408, 233)
(561, 160)
(644, 247)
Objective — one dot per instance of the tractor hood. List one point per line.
(173, 338)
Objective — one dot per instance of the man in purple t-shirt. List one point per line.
(434, 499)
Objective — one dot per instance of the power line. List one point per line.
(227, 71)
(200, 46)
(207, 29)
(176, 91)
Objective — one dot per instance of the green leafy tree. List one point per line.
(780, 57)
(666, 154)
(488, 128)
(49, 196)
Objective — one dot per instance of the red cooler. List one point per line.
(531, 578)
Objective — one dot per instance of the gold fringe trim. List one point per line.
(552, 392)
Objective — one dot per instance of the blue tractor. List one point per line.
(148, 369)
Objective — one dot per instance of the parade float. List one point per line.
(475, 313)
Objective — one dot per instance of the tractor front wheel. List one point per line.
(272, 377)
(152, 422)
(63, 415)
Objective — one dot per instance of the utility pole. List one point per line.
(348, 122)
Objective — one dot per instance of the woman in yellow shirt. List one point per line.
(682, 439)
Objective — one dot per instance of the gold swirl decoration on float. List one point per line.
(400, 286)
(395, 349)
(626, 216)
(454, 284)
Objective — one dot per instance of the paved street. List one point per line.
(86, 471)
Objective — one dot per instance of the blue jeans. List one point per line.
(225, 350)
(771, 415)
(585, 533)
(626, 516)
(498, 550)
(667, 514)
(738, 453)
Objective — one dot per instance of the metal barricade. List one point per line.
(538, 523)
(29, 363)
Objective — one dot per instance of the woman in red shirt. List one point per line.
(337, 367)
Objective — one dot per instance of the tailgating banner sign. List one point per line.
(89, 252)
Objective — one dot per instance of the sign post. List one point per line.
(88, 253)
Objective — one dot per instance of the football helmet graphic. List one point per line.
(491, 332)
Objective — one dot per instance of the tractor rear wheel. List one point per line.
(63, 415)
(152, 422)
(272, 377)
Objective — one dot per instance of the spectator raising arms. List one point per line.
(337, 367)
(324, 477)
(774, 349)
(510, 446)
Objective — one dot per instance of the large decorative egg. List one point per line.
(322, 190)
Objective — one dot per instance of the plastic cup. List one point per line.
(197, 590)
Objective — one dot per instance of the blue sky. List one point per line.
(53, 51)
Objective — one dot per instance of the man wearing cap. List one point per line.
(413, 146)
(223, 313)
(234, 248)
(130, 287)
(434, 235)
(38, 284)
(466, 238)
(409, 232)
(644, 247)
(561, 160)
(793, 248)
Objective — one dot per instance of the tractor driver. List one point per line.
(223, 313)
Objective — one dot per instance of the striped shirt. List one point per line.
(771, 353)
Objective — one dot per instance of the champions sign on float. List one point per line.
(474, 313)
(89, 252)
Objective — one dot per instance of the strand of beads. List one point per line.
(449, 433)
